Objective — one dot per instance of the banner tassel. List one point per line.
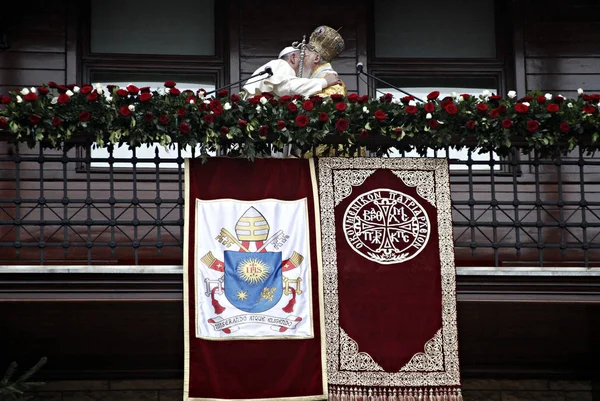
(289, 308)
(218, 307)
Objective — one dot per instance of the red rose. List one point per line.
(470, 124)
(433, 95)
(532, 125)
(35, 119)
(85, 89)
(202, 106)
(92, 97)
(280, 125)
(52, 84)
(323, 117)
(429, 107)
(502, 108)
(411, 109)
(224, 130)
(209, 118)
(302, 120)
(336, 97)
(254, 101)
(189, 99)
(273, 101)
(170, 84)
(482, 107)
(586, 97)
(242, 123)
(5, 99)
(174, 91)
(184, 128)
(495, 98)
(558, 99)
(235, 98)
(292, 107)
(43, 91)
(145, 89)
(407, 99)
(3, 122)
(30, 97)
(494, 113)
(308, 105)
(223, 93)
(297, 97)
(541, 99)
(148, 116)
(341, 106)
(164, 119)
(434, 124)
(380, 115)
(364, 133)
(451, 109)
(595, 97)
(122, 92)
(71, 86)
(263, 130)
(353, 98)
(124, 110)
(589, 109)
(268, 95)
(552, 108)
(182, 112)
(316, 99)
(398, 131)
(144, 97)
(564, 127)
(63, 98)
(507, 123)
(526, 99)
(86, 115)
(56, 122)
(216, 107)
(363, 99)
(61, 88)
(466, 96)
(342, 124)
(285, 98)
(446, 102)
(521, 108)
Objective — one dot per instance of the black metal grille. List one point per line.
(57, 207)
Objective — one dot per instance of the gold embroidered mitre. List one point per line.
(326, 41)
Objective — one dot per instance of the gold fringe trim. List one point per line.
(358, 393)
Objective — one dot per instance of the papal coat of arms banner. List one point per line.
(389, 279)
(252, 308)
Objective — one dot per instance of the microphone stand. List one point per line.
(359, 69)
(267, 70)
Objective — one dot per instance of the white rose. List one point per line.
(24, 91)
(395, 101)
(69, 93)
(461, 98)
(365, 110)
(99, 90)
(76, 89)
(227, 106)
(192, 101)
(453, 95)
(526, 104)
(207, 102)
(428, 116)
(512, 94)
(109, 99)
(258, 109)
(570, 105)
(263, 100)
(161, 91)
(33, 90)
(131, 107)
(19, 99)
(548, 96)
(54, 100)
(485, 93)
(412, 103)
(580, 91)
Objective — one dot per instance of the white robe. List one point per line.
(282, 82)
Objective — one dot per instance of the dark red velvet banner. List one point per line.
(245, 369)
(389, 278)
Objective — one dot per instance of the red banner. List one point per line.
(389, 278)
(251, 281)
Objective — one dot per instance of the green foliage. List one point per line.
(17, 389)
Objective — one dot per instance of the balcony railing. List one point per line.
(73, 208)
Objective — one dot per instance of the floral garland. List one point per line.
(57, 115)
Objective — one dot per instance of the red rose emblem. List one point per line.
(470, 125)
(124, 110)
(342, 124)
(292, 107)
(532, 125)
(353, 98)
(174, 91)
(552, 108)
(85, 116)
(433, 95)
(434, 124)
(133, 89)
(92, 97)
(589, 109)
(521, 108)
(235, 98)
(148, 116)
(280, 125)
(242, 123)
(63, 98)
(380, 115)
(35, 119)
(565, 128)
(285, 98)
(163, 120)
(263, 130)
(146, 96)
(56, 122)
(3, 122)
(182, 112)
(308, 105)
(209, 118)
(411, 109)
(507, 123)
(429, 107)
(30, 97)
(341, 106)
(184, 128)
(223, 93)
(323, 117)
(541, 99)
(170, 84)
(43, 91)
(302, 120)
(482, 107)
(336, 97)
(122, 92)
(224, 130)
(451, 109)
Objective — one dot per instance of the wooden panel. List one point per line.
(555, 65)
(20, 78)
(560, 82)
(32, 61)
(571, 48)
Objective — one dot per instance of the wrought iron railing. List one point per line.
(67, 207)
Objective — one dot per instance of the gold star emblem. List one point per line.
(242, 295)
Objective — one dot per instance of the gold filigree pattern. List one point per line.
(422, 180)
(351, 358)
(430, 360)
(329, 192)
(344, 183)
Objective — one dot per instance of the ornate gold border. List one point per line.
(346, 167)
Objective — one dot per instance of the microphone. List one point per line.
(359, 70)
(268, 70)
